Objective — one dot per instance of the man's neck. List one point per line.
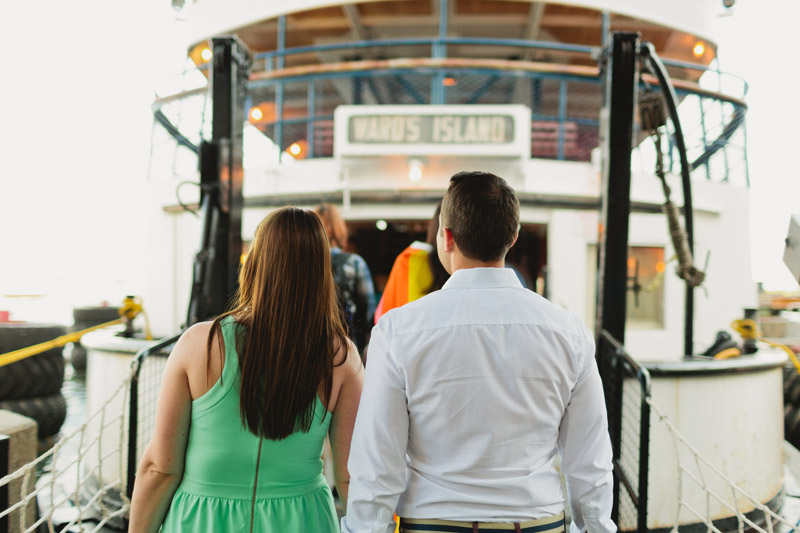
(459, 262)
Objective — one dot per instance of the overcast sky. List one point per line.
(75, 109)
(759, 42)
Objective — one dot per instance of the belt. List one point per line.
(550, 524)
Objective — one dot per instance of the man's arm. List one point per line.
(585, 448)
(378, 451)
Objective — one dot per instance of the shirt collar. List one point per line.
(482, 278)
(419, 245)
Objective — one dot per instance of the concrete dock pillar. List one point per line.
(22, 447)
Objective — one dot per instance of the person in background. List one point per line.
(247, 400)
(416, 272)
(472, 391)
(353, 278)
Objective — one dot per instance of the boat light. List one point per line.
(256, 114)
(381, 224)
(631, 265)
(415, 170)
(295, 149)
(206, 54)
(699, 49)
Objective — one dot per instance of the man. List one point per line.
(472, 391)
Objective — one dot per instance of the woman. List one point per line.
(246, 400)
(353, 278)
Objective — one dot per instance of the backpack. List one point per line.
(353, 310)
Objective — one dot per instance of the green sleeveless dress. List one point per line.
(216, 491)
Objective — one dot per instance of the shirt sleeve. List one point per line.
(585, 448)
(377, 462)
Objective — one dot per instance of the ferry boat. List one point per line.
(373, 105)
(320, 68)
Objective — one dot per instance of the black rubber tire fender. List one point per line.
(78, 357)
(37, 375)
(48, 411)
(791, 385)
(86, 317)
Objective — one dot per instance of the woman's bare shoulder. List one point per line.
(191, 353)
(193, 339)
(347, 362)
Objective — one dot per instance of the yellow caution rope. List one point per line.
(131, 307)
(22, 353)
(748, 329)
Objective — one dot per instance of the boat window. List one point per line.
(645, 299)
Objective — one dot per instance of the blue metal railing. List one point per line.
(436, 44)
(567, 102)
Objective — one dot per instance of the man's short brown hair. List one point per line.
(482, 212)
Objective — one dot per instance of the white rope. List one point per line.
(736, 491)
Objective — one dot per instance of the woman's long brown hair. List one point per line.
(291, 326)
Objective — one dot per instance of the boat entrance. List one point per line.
(380, 241)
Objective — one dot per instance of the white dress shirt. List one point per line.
(469, 394)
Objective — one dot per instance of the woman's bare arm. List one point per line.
(161, 467)
(344, 418)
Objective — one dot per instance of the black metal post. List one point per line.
(133, 406)
(4, 503)
(133, 428)
(616, 202)
(612, 289)
(229, 94)
(216, 271)
(649, 53)
(644, 452)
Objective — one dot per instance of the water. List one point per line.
(74, 391)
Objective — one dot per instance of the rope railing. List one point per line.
(746, 519)
(86, 458)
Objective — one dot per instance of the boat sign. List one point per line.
(494, 130)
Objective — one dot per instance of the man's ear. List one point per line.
(449, 242)
(514, 241)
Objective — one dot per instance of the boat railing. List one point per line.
(35, 498)
(627, 390)
(292, 106)
(86, 479)
(701, 486)
(116, 433)
(272, 59)
(146, 373)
